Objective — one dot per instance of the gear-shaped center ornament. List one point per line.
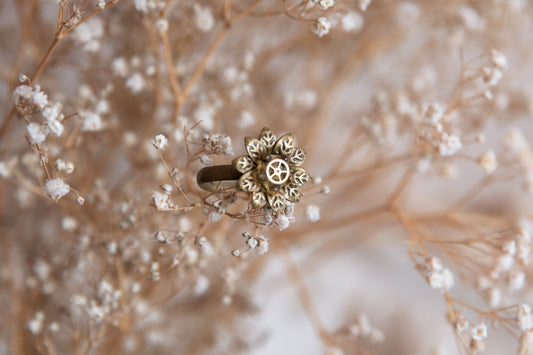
(277, 172)
(272, 172)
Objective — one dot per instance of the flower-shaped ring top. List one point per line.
(272, 170)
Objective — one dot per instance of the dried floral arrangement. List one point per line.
(395, 218)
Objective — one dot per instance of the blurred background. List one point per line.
(412, 237)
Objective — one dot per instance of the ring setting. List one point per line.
(271, 171)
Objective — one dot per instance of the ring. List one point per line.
(271, 172)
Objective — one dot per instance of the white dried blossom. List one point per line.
(434, 264)
(55, 127)
(35, 325)
(162, 201)
(505, 262)
(204, 115)
(514, 139)
(40, 99)
(69, 224)
(509, 247)
(488, 162)
(201, 285)
(6, 167)
(492, 76)
(321, 27)
(326, 4)
(363, 4)
(434, 114)
(441, 280)
(154, 271)
(252, 242)
(218, 144)
(230, 75)
(88, 33)
(471, 19)
(102, 107)
(22, 94)
(160, 142)
(203, 18)
(425, 78)
(120, 67)
(282, 222)
(301, 100)
(488, 95)
(141, 5)
(66, 166)
(498, 59)
(248, 60)
(376, 336)
(92, 122)
(246, 119)
(352, 22)
(56, 188)
(214, 216)
(449, 144)
(312, 213)
(236, 252)
(517, 280)
(42, 269)
(206, 160)
(262, 248)
(479, 332)
(524, 317)
(162, 25)
(36, 133)
(135, 83)
(96, 312)
(462, 325)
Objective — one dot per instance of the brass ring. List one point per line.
(271, 172)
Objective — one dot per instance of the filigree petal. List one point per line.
(255, 148)
(276, 201)
(247, 183)
(258, 199)
(267, 137)
(300, 176)
(284, 145)
(292, 192)
(297, 157)
(243, 163)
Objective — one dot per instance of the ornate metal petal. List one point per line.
(258, 199)
(292, 193)
(247, 182)
(243, 163)
(255, 148)
(284, 145)
(300, 176)
(276, 201)
(297, 157)
(267, 137)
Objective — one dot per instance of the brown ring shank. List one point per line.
(216, 177)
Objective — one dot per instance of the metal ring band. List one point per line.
(217, 177)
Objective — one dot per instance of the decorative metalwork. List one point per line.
(272, 170)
